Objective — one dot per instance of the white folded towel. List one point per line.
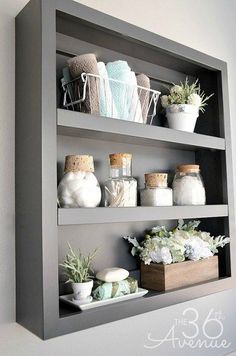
(107, 105)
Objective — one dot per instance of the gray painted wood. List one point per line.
(73, 46)
(157, 48)
(72, 320)
(29, 254)
(38, 148)
(105, 215)
(72, 123)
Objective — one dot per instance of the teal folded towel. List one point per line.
(124, 92)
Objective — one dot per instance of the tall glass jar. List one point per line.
(156, 191)
(121, 187)
(79, 188)
(188, 187)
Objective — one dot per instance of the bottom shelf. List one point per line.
(150, 302)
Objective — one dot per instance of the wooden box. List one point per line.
(160, 277)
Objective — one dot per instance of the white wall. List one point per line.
(206, 25)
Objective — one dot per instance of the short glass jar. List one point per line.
(79, 188)
(121, 188)
(156, 191)
(188, 187)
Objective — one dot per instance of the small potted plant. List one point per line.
(178, 257)
(182, 105)
(79, 272)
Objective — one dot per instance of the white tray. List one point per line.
(68, 299)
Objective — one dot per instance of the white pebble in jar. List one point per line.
(188, 188)
(157, 197)
(156, 191)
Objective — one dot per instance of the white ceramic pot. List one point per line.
(82, 290)
(182, 117)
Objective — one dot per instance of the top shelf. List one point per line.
(71, 123)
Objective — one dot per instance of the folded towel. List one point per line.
(133, 102)
(125, 92)
(107, 290)
(144, 81)
(106, 102)
(87, 63)
(119, 70)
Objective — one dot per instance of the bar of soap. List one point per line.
(114, 274)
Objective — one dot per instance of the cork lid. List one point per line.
(156, 179)
(189, 168)
(120, 159)
(75, 163)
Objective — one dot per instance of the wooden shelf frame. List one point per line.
(36, 151)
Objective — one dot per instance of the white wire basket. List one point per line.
(110, 98)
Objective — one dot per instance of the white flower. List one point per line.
(176, 89)
(164, 101)
(195, 249)
(195, 99)
(161, 255)
(155, 256)
(166, 255)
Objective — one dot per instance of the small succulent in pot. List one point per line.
(183, 104)
(79, 272)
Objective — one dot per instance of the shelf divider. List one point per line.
(71, 123)
(101, 215)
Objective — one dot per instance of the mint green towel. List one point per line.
(124, 91)
(107, 290)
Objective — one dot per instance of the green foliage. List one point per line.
(77, 267)
(186, 93)
(184, 241)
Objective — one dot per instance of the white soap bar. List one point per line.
(114, 274)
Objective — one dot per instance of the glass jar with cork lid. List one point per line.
(156, 191)
(121, 187)
(79, 188)
(188, 187)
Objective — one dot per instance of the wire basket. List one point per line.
(113, 98)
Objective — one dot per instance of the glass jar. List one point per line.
(156, 191)
(188, 187)
(79, 188)
(121, 187)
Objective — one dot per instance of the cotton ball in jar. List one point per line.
(79, 187)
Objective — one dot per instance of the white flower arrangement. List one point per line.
(176, 245)
(186, 93)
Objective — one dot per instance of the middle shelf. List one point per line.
(101, 215)
(71, 123)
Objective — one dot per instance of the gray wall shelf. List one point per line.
(71, 123)
(47, 34)
(116, 215)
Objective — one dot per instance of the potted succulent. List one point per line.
(177, 258)
(79, 272)
(183, 104)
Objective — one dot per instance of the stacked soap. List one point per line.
(113, 282)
